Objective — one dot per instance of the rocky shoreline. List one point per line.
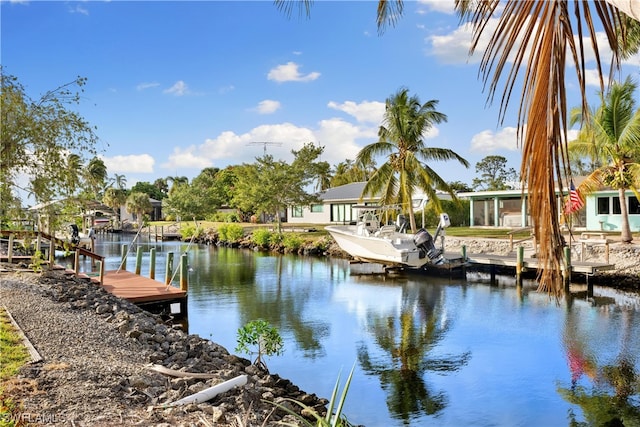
(98, 356)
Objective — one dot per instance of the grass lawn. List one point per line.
(12, 356)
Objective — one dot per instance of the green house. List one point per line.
(509, 209)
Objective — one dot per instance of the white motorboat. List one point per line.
(369, 241)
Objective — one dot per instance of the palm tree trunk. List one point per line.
(625, 230)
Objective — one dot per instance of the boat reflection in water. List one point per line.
(428, 351)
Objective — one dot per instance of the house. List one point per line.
(508, 208)
(335, 206)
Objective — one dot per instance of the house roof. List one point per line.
(348, 192)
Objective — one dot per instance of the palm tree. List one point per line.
(176, 181)
(405, 123)
(138, 204)
(73, 171)
(114, 198)
(96, 175)
(611, 135)
(120, 181)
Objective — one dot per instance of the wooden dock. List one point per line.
(139, 289)
(584, 267)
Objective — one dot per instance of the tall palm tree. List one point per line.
(138, 204)
(96, 175)
(115, 198)
(405, 124)
(612, 134)
(120, 181)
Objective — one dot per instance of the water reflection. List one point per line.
(408, 340)
(606, 390)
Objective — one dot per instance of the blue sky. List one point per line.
(174, 87)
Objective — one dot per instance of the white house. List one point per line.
(335, 206)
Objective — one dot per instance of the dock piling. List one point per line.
(123, 262)
(10, 249)
(519, 265)
(152, 263)
(184, 272)
(169, 269)
(139, 260)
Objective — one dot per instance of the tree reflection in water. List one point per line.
(409, 340)
(609, 395)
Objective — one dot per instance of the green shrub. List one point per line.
(259, 337)
(230, 233)
(458, 214)
(231, 217)
(187, 231)
(261, 237)
(292, 242)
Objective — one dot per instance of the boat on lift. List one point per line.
(369, 241)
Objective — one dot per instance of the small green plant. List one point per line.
(332, 418)
(261, 237)
(230, 232)
(292, 242)
(187, 231)
(36, 262)
(259, 337)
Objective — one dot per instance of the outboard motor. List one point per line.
(424, 242)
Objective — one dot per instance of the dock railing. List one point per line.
(513, 242)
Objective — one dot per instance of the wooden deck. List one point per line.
(139, 289)
(589, 268)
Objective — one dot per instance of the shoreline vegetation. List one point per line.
(306, 239)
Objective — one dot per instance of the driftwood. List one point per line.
(180, 374)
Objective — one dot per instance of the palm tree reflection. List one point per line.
(608, 394)
(408, 341)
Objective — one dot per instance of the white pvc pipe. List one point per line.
(211, 392)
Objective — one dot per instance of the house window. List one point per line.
(603, 206)
(608, 205)
(317, 208)
(296, 212)
(341, 213)
(634, 206)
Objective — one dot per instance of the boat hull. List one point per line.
(392, 249)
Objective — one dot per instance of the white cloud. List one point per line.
(79, 9)
(442, 6)
(268, 106)
(453, 48)
(226, 89)
(366, 111)
(490, 141)
(179, 88)
(289, 73)
(186, 158)
(145, 85)
(133, 163)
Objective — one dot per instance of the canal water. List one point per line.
(427, 351)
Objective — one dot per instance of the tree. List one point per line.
(36, 138)
(494, 175)
(96, 176)
(612, 133)
(114, 198)
(348, 171)
(460, 187)
(149, 189)
(120, 181)
(405, 123)
(270, 186)
(139, 204)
